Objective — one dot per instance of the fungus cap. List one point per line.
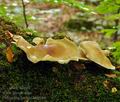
(94, 53)
(63, 51)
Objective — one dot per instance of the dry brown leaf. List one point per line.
(9, 54)
(9, 34)
(117, 67)
(112, 75)
(106, 84)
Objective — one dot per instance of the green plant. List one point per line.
(72, 3)
(116, 52)
(110, 9)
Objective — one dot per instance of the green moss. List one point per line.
(64, 84)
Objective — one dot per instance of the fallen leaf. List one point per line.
(106, 84)
(9, 34)
(112, 75)
(9, 54)
(118, 67)
(114, 90)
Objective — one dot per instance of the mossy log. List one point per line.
(50, 81)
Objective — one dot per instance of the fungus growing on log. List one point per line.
(94, 53)
(62, 51)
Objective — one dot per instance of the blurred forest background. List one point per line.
(79, 20)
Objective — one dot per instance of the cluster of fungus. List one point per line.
(62, 51)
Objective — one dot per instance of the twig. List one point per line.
(24, 13)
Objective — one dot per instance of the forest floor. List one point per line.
(50, 81)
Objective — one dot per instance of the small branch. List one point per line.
(24, 14)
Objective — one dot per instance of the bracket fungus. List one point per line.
(62, 51)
